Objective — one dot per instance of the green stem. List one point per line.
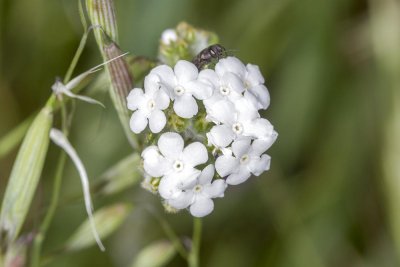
(172, 236)
(174, 239)
(194, 259)
(81, 44)
(37, 245)
(76, 57)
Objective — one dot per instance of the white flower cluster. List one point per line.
(231, 96)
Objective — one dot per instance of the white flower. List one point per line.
(174, 162)
(252, 79)
(168, 36)
(148, 106)
(228, 87)
(236, 120)
(199, 194)
(182, 85)
(246, 160)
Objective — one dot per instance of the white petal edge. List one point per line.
(216, 189)
(171, 145)
(226, 165)
(195, 154)
(185, 106)
(206, 175)
(239, 177)
(138, 121)
(135, 98)
(220, 135)
(185, 71)
(241, 147)
(201, 207)
(157, 121)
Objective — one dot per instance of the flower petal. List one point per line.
(168, 188)
(239, 177)
(241, 147)
(220, 135)
(259, 128)
(201, 207)
(261, 145)
(259, 165)
(230, 64)
(199, 89)
(185, 71)
(226, 165)
(161, 99)
(261, 95)
(210, 76)
(246, 109)
(254, 76)
(195, 154)
(157, 121)
(185, 106)
(166, 74)
(170, 145)
(207, 175)
(172, 184)
(135, 99)
(138, 121)
(153, 162)
(151, 84)
(233, 82)
(216, 189)
(222, 111)
(183, 200)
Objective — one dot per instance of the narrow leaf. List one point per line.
(14, 137)
(107, 219)
(156, 254)
(122, 175)
(25, 175)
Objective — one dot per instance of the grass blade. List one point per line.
(25, 175)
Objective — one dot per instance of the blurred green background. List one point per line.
(332, 68)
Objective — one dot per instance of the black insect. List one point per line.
(209, 55)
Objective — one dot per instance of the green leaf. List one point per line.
(156, 254)
(25, 175)
(122, 175)
(14, 137)
(107, 220)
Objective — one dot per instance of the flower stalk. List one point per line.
(194, 258)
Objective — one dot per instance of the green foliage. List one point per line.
(25, 176)
(107, 220)
(157, 254)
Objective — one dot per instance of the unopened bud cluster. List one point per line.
(204, 130)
